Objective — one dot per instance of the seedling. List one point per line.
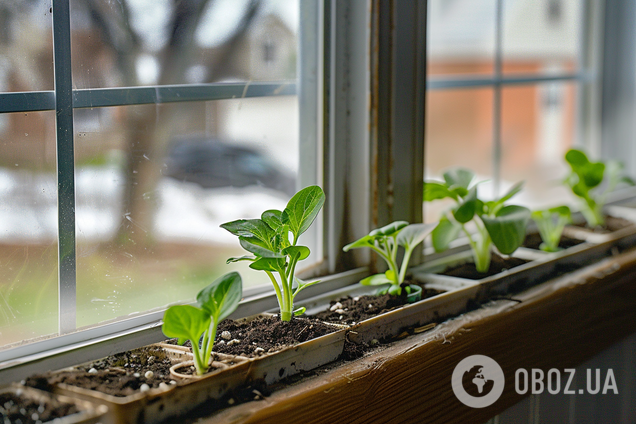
(267, 239)
(198, 324)
(385, 242)
(496, 223)
(592, 182)
(551, 223)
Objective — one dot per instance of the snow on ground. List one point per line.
(185, 212)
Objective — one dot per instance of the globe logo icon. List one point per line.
(478, 381)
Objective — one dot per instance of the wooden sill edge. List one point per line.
(558, 324)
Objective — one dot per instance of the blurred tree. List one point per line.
(147, 134)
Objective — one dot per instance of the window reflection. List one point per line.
(28, 227)
(149, 42)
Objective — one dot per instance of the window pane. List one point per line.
(26, 46)
(149, 42)
(461, 36)
(541, 36)
(28, 227)
(537, 130)
(458, 134)
(155, 182)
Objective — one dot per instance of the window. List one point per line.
(168, 124)
(507, 85)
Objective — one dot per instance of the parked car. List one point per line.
(213, 163)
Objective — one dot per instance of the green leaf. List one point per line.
(299, 311)
(258, 247)
(459, 177)
(251, 228)
(627, 180)
(281, 239)
(459, 191)
(221, 297)
(445, 232)
(395, 290)
(593, 174)
(414, 234)
(302, 251)
(389, 230)
(508, 228)
(302, 209)
(185, 322)
(376, 280)
(434, 190)
(512, 192)
(240, 258)
(466, 211)
(366, 241)
(562, 211)
(273, 218)
(267, 264)
(390, 275)
(301, 285)
(576, 158)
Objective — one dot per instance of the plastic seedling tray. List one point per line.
(526, 275)
(275, 366)
(391, 323)
(89, 413)
(593, 237)
(152, 406)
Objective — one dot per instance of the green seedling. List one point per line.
(385, 242)
(268, 241)
(551, 223)
(198, 324)
(592, 182)
(496, 223)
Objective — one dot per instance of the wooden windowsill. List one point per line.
(558, 324)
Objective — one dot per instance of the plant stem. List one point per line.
(480, 248)
(405, 264)
(201, 369)
(279, 296)
(286, 309)
(211, 334)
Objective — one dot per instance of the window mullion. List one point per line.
(65, 167)
(496, 113)
(347, 152)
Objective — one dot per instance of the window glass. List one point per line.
(537, 130)
(458, 134)
(461, 37)
(26, 46)
(541, 36)
(155, 182)
(148, 42)
(28, 227)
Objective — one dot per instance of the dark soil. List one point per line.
(354, 351)
(356, 309)
(19, 409)
(533, 241)
(118, 375)
(268, 333)
(612, 223)
(191, 370)
(497, 265)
